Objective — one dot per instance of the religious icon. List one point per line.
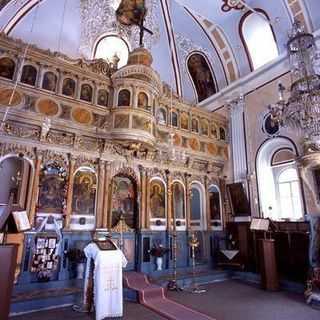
(124, 98)
(214, 201)
(29, 75)
(142, 100)
(201, 76)
(204, 127)
(68, 87)
(49, 81)
(7, 67)
(222, 133)
(123, 201)
(84, 193)
(174, 119)
(103, 98)
(178, 201)
(184, 121)
(194, 125)
(214, 131)
(162, 116)
(86, 92)
(157, 200)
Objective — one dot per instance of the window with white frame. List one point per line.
(289, 195)
(258, 38)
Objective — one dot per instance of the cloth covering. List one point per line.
(104, 272)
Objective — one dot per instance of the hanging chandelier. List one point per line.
(302, 109)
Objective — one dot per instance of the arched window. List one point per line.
(258, 38)
(289, 194)
(201, 75)
(124, 98)
(7, 67)
(86, 92)
(68, 87)
(49, 81)
(109, 46)
(29, 75)
(142, 100)
(278, 183)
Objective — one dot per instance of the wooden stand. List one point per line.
(268, 266)
(8, 258)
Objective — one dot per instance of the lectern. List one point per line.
(8, 261)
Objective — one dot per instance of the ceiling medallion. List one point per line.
(232, 4)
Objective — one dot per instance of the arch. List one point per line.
(86, 92)
(201, 74)
(103, 97)
(267, 175)
(179, 204)
(29, 75)
(143, 100)
(7, 67)
(16, 175)
(162, 115)
(258, 39)
(108, 45)
(215, 206)
(197, 206)
(49, 81)
(174, 119)
(84, 193)
(69, 87)
(124, 98)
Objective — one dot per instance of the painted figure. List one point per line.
(103, 98)
(124, 98)
(157, 200)
(201, 76)
(49, 81)
(68, 87)
(86, 92)
(178, 198)
(7, 67)
(29, 75)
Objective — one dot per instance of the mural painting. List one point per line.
(174, 119)
(68, 87)
(52, 189)
(157, 200)
(162, 116)
(103, 98)
(201, 76)
(204, 127)
(124, 98)
(194, 125)
(29, 75)
(49, 81)
(123, 201)
(185, 121)
(86, 92)
(142, 100)
(84, 192)
(214, 202)
(178, 200)
(7, 67)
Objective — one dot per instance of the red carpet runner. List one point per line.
(153, 297)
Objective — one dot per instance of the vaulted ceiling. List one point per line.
(180, 27)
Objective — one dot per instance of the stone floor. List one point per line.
(228, 300)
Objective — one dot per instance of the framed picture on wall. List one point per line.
(238, 200)
(21, 220)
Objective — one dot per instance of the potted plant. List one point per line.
(158, 251)
(77, 257)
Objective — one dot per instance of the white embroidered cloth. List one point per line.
(230, 254)
(108, 264)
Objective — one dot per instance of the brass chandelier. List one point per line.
(302, 109)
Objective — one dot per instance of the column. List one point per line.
(107, 216)
(100, 199)
(207, 204)
(238, 139)
(35, 188)
(147, 211)
(188, 202)
(142, 217)
(72, 163)
(169, 201)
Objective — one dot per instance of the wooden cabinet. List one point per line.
(8, 258)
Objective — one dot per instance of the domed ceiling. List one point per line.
(180, 27)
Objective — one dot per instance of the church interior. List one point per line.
(159, 159)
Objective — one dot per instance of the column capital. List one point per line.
(236, 104)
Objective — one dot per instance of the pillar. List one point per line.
(147, 211)
(107, 215)
(188, 202)
(72, 163)
(142, 218)
(100, 195)
(169, 202)
(35, 188)
(207, 203)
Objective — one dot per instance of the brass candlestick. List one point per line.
(194, 243)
